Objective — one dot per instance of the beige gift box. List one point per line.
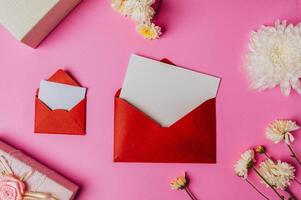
(30, 21)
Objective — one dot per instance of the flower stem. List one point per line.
(276, 192)
(187, 190)
(253, 186)
(268, 157)
(294, 155)
(292, 196)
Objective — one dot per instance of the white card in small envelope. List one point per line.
(60, 96)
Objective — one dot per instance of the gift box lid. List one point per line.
(31, 20)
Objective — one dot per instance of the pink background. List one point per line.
(94, 44)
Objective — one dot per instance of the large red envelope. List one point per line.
(138, 138)
(60, 121)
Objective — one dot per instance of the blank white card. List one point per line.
(60, 96)
(165, 92)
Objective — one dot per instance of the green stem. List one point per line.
(253, 186)
(294, 155)
(272, 187)
(187, 190)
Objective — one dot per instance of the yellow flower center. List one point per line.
(147, 32)
(276, 55)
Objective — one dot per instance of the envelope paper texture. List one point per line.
(60, 121)
(141, 138)
(42, 178)
(30, 21)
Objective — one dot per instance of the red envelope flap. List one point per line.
(61, 76)
(190, 139)
(165, 60)
(78, 113)
(60, 121)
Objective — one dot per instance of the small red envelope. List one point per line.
(60, 121)
(138, 138)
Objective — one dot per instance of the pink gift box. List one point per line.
(43, 178)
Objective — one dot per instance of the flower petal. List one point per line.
(296, 85)
(279, 174)
(285, 88)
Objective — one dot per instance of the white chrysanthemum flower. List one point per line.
(245, 163)
(139, 10)
(275, 57)
(143, 14)
(278, 175)
(118, 5)
(281, 130)
(149, 31)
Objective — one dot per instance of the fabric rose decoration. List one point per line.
(11, 188)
